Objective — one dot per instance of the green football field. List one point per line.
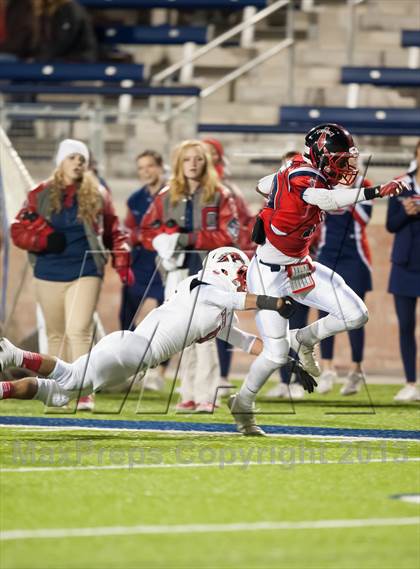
(120, 497)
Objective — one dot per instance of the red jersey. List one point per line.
(290, 222)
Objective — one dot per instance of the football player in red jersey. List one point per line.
(297, 196)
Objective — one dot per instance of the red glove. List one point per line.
(126, 275)
(393, 188)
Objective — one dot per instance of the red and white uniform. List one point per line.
(298, 195)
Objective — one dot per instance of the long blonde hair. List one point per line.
(88, 196)
(178, 187)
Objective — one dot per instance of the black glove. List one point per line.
(302, 376)
(289, 307)
(56, 242)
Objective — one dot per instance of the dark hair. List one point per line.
(153, 154)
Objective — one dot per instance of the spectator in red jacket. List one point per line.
(245, 216)
(68, 224)
(192, 215)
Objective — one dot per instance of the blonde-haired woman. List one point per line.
(67, 225)
(194, 214)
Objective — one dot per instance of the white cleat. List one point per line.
(244, 418)
(9, 355)
(306, 354)
(409, 392)
(353, 383)
(326, 381)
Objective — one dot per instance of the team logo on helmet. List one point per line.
(332, 150)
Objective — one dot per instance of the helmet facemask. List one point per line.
(230, 262)
(340, 167)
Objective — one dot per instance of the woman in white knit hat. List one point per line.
(68, 224)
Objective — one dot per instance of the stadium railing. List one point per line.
(378, 76)
(411, 40)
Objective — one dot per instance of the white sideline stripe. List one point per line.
(202, 528)
(221, 465)
(177, 432)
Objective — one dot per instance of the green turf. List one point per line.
(355, 480)
(375, 410)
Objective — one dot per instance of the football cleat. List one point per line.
(244, 418)
(205, 407)
(9, 355)
(306, 355)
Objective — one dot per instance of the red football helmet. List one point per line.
(332, 151)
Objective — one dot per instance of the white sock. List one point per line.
(320, 329)
(259, 372)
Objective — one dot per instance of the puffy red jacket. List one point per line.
(215, 224)
(30, 228)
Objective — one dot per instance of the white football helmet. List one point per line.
(231, 262)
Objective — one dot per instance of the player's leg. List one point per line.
(115, 358)
(346, 311)
(273, 330)
(51, 389)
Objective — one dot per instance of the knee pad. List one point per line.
(359, 321)
(276, 350)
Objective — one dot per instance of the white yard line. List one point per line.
(54, 533)
(221, 464)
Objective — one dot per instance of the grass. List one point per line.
(189, 479)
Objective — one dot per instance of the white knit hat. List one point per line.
(70, 146)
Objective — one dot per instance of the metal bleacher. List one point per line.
(52, 72)
(174, 4)
(363, 121)
(381, 76)
(151, 35)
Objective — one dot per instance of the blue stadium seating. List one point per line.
(173, 35)
(176, 4)
(365, 120)
(381, 76)
(72, 72)
(69, 89)
(362, 120)
(410, 38)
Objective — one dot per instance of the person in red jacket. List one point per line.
(68, 225)
(194, 214)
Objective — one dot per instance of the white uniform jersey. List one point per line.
(194, 313)
(201, 308)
